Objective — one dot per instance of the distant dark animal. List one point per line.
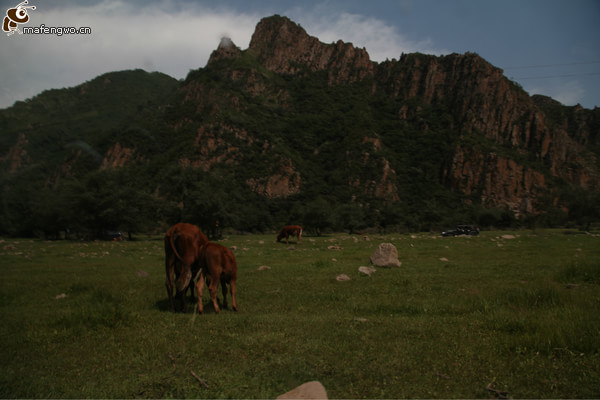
(218, 265)
(290, 230)
(182, 248)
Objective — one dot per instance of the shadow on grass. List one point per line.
(190, 306)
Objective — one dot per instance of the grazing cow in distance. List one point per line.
(218, 265)
(182, 248)
(290, 230)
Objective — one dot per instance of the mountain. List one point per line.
(295, 130)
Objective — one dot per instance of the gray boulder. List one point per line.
(386, 256)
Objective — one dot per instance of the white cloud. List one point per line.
(165, 36)
(123, 37)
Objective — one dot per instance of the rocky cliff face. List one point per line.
(284, 47)
(281, 180)
(486, 103)
(117, 156)
(483, 103)
(498, 181)
(481, 100)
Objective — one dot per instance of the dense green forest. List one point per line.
(198, 149)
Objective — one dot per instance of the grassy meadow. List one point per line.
(516, 312)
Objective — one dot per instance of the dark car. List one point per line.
(470, 230)
(114, 236)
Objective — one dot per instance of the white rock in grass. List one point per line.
(308, 390)
(366, 270)
(342, 278)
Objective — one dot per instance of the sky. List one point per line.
(549, 47)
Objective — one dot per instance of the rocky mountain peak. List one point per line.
(284, 47)
(226, 50)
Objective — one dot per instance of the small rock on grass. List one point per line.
(308, 390)
(366, 270)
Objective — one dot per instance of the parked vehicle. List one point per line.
(470, 230)
(114, 236)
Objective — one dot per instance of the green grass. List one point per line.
(521, 314)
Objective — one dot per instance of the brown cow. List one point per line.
(290, 230)
(182, 247)
(218, 265)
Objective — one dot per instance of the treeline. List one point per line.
(119, 200)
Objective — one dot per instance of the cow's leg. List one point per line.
(170, 283)
(232, 286)
(196, 271)
(185, 277)
(182, 283)
(199, 291)
(212, 288)
(179, 293)
(191, 289)
(170, 263)
(224, 290)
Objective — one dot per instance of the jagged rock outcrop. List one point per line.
(226, 50)
(485, 103)
(497, 181)
(284, 47)
(117, 156)
(210, 148)
(482, 101)
(283, 181)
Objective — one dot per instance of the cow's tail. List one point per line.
(184, 279)
(173, 247)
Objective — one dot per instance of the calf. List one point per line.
(182, 247)
(218, 265)
(290, 230)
